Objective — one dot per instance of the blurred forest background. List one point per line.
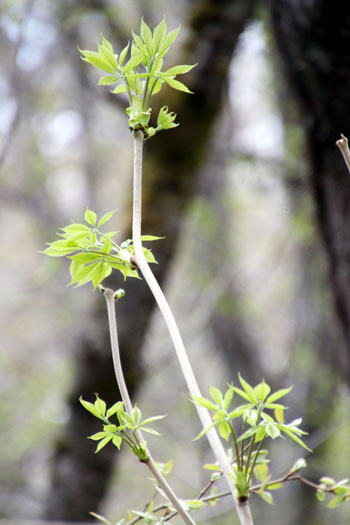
(254, 200)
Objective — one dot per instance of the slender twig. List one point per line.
(243, 440)
(343, 145)
(110, 300)
(257, 488)
(255, 459)
(192, 385)
(235, 442)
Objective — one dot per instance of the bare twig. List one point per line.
(110, 300)
(343, 145)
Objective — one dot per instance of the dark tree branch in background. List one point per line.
(313, 39)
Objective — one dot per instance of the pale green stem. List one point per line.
(255, 460)
(234, 437)
(192, 385)
(110, 300)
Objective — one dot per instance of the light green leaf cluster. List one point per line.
(124, 430)
(140, 76)
(95, 254)
(258, 425)
(262, 424)
(340, 490)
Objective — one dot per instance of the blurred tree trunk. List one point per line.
(313, 39)
(172, 164)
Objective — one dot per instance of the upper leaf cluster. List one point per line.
(137, 71)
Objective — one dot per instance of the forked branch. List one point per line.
(110, 300)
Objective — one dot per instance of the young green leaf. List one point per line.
(272, 430)
(248, 389)
(90, 408)
(195, 504)
(205, 430)
(327, 480)
(298, 465)
(100, 518)
(261, 472)
(203, 402)
(279, 414)
(119, 89)
(278, 394)
(228, 398)
(117, 440)
(150, 431)
(106, 44)
(108, 80)
(176, 84)
(262, 390)
(133, 62)
(294, 437)
(76, 227)
(167, 40)
(179, 70)
(241, 393)
(146, 35)
(98, 436)
(82, 275)
(216, 394)
(59, 251)
(210, 466)
(151, 419)
(275, 486)
(123, 54)
(99, 272)
(100, 406)
(90, 217)
(266, 496)
(141, 46)
(136, 416)
(106, 217)
(159, 35)
(85, 257)
(115, 408)
(150, 238)
(224, 430)
(103, 443)
(320, 495)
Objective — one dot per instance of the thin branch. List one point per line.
(192, 385)
(110, 300)
(343, 145)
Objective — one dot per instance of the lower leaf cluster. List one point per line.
(126, 428)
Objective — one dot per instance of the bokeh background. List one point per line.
(253, 198)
